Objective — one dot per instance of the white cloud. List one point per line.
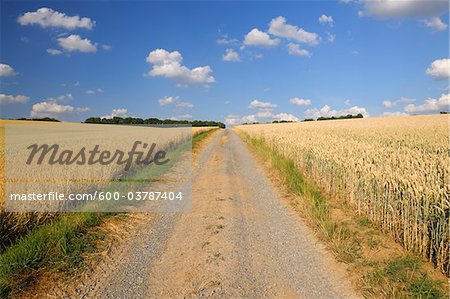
(384, 9)
(263, 115)
(259, 104)
(231, 55)
(232, 120)
(184, 105)
(330, 37)
(54, 52)
(300, 102)
(76, 43)
(404, 8)
(396, 113)
(119, 112)
(430, 105)
(232, 116)
(284, 116)
(62, 98)
(106, 47)
(402, 100)
(240, 120)
(278, 27)
(52, 109)
(10, 99)
(294, 49)
(174, 100)
(167, 100)
(181, 117)
(225, 40)
(439, 69)
(435, 23)
(259, 38)
(324, 19)
(92, 92)
(348, 102)
(258, 56)
(327, 111)
(168, 65)
(249, 119)
(388, 104)
(65, 97)
(6, 70)
(47, 17)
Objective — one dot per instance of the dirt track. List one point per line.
(241, 240)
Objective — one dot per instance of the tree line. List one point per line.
(348, 116)
(152, 121)
(40, 119)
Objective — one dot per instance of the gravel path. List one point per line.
(239, 241)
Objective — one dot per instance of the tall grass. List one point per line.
(50, 243)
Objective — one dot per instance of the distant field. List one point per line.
(394, 170)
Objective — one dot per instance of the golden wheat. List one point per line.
(68, 135)
(395, 170)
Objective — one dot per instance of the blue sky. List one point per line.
(228, 61)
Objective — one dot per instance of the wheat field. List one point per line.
(70, 136)
(394, 170)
